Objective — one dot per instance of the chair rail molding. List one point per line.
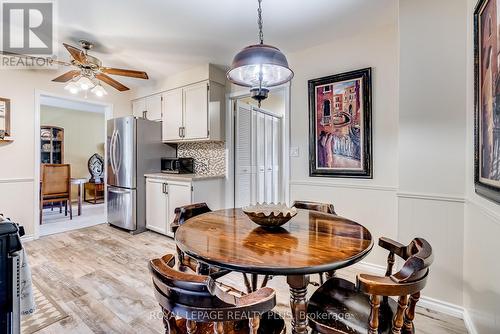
(495, 217)
(17, 180)
(431, 197)
(325, 183)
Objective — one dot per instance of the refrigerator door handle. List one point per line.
(112, 150)
(118, 161)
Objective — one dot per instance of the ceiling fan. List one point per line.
(89, 72)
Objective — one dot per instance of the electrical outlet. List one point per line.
(294, 152)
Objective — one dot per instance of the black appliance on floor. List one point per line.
(10, 245)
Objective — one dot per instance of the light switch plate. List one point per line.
(294, 152)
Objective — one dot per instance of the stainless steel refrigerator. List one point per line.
(134, 149)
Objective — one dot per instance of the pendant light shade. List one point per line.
(260, 65)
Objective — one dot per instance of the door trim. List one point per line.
(108, 114)
(231, 99)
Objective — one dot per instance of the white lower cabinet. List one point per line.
(164, 195)
(156, 206)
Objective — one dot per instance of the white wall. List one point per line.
(432, 135)
(419, 124)
(481, 225)
(369, 202)
(17, 191)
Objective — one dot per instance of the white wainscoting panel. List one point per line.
(372, 206)
(441, 223)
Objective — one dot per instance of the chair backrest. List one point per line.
(315, 206)
(199, 298)
(55, 179)
(406, 283)
(183, 213)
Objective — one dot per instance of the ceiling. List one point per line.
(167, 36)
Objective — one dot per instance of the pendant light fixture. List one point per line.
(259, 66)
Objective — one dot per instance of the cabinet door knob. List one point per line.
(144, 114)
(180, 131)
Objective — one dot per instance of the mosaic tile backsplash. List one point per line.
(209, 157)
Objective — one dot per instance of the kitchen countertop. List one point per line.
(183, 177)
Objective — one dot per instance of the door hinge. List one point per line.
(161, 98)
(208, 87)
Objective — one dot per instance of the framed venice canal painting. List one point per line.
(340, 132)
(487, 99)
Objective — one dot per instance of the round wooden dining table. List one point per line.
(311, 242)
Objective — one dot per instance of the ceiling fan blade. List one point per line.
(112, 82)
(76, 53)
(67, 76)
(125, 73)
(48, 60)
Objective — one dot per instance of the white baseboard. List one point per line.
(426, 302)
(27, 238)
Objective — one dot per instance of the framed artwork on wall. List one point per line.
(487, 99)
(340, 131)
(4, 118)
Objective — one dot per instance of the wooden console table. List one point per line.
(97, 189)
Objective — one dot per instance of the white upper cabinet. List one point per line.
(195, 113)
(172, 115)
(149, 107)
(154, 107)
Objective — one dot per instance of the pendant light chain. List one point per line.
(261, 33)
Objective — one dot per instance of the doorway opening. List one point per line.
(71, 156)
(260, 149)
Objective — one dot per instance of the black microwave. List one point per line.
(177, 165)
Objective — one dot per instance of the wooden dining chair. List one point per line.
(182, 214)
(315, 206)
(320, 207)
(339, 306)
(55, 186)
(196, 303)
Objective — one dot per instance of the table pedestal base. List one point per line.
(298, 302)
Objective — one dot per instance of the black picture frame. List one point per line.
(486, 190)
(366, 170)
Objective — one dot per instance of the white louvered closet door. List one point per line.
(268, 149)
(261, 157)
(243, 156)
(257, 156)
(277, 154)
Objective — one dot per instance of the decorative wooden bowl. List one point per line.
(269, 215)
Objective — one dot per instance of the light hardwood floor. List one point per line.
(99, 276)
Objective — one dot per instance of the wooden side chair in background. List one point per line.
(315, 206)
(339, 306)
(182, 214)
(320, 207)
(196, 303)
(55, 186)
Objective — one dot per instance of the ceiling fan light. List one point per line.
(72, 87)
(85, 83)
(99, 90)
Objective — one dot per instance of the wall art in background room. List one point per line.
(487, 101)
(4, 118)
(340, 134)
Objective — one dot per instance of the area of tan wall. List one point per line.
(17, 169)
(83, 136)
